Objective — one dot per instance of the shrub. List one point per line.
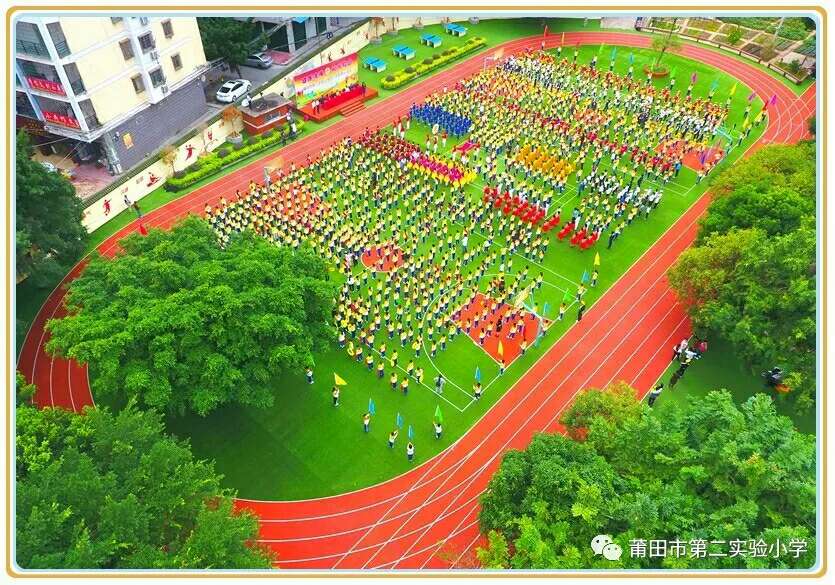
(409, 69)
(389, 78)
(179, 174)
(735, 35)
(446, 52)
(239, 146)
(435, 57)
(195, 166)
(222, 152)
(427, 61)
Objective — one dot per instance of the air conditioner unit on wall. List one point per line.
(164, 88)
(155, 56)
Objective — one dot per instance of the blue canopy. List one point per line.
(301, 19)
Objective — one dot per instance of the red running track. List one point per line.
(427, 517)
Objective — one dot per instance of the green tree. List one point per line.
(112, 491)
(812, 125)
(228, 39)
(751, 276)
(662, 44)
(25, 392)
(49, 236)
(181, 324)
(735, 35)
(713, 471)
(779, 165)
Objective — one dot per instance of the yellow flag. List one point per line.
(597, 259)
(500, 350)
(733, 89)
(338, 381)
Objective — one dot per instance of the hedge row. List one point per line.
(225, 156)
(404, 76)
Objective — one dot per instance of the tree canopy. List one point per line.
(112, 491)
(227, 38)
(714, 471)
(181, 324)
(751, 278)
(49, 237)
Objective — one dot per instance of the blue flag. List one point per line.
(399, 421)
(545, 308)
(371, 407)
(410, 433)
(715, 84)
(538, 333)
(477, 374)
(631, 59)
(614, 52)
(585, 277)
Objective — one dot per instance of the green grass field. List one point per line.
(303, 447)
(719, 369)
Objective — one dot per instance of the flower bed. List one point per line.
(403, 76)
(663, 72)
(227, 155)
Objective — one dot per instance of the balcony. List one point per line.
(61, 120)
(63, 48)
(92, 121)
(45, 85)
(30, 48)
(78, 87)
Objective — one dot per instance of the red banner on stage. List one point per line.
(46, 85)
(332, 76)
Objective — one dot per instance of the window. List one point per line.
(167, 29)
(127, 49)
(146, 41)
(177, 62)
(157, 78)
(138, 84)
(58, 38)
(115, 19)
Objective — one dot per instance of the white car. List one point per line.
(232, 90)
(49, 166)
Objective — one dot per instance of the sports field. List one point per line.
(303, 447)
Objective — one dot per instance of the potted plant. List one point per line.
(668, 42)
(418, 23)
(231, 115)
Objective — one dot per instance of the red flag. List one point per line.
(143, 230)
(545, 32)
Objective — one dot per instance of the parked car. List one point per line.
(49, 166)
(259, 60)
(232, 90)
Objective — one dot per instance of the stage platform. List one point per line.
(349, 106)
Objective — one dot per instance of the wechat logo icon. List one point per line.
(602, 545)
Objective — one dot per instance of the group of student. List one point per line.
(538, 123)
